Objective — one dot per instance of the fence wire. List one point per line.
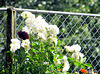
(75, 29)
(82, 29)
(3, 22)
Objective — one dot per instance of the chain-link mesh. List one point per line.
(3, 23)
(75, 29)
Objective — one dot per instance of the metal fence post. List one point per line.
(13, 23)
(11, 33)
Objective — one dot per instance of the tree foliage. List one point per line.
(84, 6)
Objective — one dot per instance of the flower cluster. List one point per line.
(42, 49)
(75, 50)
(63, 61)
(72, 52)
(38, 25)
(15, 44)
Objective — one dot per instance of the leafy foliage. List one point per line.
(89, 29)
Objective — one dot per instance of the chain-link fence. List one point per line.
(2, 29)
(75, 28)
(3, 23)
(82, 29)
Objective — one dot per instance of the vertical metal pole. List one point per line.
(13, 23)
(11, 33)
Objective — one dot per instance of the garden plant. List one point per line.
(37, 50)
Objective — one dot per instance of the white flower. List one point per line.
(33, 29)
(58, 61)
(41, 29)
(53, 30)
(39, 20)
(76, 48)
(26, 14)
(29, 22)
(68, 48)
(15, 44)
(64, 61)
(64, 57)
(53, 39)
(38, 25)
(39, 17)
(42, 35)
(66, 64)
(26, 44)
(78, 55)
(72, 48)
(26, 29)
(66, 67)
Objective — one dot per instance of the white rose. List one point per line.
(64, 57)
(53, 39)
(26, 14)
(41, 29)
(78, 55)
(53, 30)
(76, 48)
(68, 48)
(29, 22)
(26, 29)
(39, 25)
(40, 21)
(26, 44)
(15, 44)
(42, 35)
(66, 67)
(66, 64)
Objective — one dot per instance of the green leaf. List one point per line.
(71, 59)
(88, 65)
(33, 44)
(83, 66)
(77, 64)
(50, 56)
(60, 57)
(58, 42)
(67, 73)
(29, 58)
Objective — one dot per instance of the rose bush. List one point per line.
(38, 51)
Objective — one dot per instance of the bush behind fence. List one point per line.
(75, 28)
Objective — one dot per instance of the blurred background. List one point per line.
(83, 6)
